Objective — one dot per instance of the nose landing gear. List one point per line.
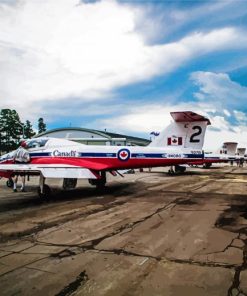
(10, 183)
(44, 190)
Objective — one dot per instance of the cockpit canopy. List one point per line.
(34, 143)
(39, 143)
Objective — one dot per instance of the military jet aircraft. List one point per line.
(226, 153)
(68, 160)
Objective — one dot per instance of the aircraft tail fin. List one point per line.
(228, 148)
(187, 131)
(241, 151)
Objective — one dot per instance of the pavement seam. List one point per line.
(130, 226)
(22, 266)
(236, 279)
(80, 280)
(41, 226)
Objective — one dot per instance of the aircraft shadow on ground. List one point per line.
(112, 190)
(31, 199)
(236, 173)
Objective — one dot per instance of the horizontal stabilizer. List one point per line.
(188, 116)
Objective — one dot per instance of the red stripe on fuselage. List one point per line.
(204, 161)
(111, 163)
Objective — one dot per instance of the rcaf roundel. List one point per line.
(123, 154)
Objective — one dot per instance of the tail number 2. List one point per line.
(198, 131)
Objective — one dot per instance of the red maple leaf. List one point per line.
(174, 141)
(123, 154)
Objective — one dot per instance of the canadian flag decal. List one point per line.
(174, 141)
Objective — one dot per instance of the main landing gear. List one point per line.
(207, 165)
(177, 169)
(44, 190)
(99, 183)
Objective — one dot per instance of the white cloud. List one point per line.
(168, 22)
(153, 117)
(149, 117)
(216, 93)
(240, 116)
(140, 119)
(226, 112)
(219, 88)
(214, 139)
(220, 123)
(51, 50)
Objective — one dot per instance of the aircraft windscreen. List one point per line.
(36, 143)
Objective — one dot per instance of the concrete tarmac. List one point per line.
(147, 234)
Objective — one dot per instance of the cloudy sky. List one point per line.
(124, 65)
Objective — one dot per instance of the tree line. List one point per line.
(12, 130)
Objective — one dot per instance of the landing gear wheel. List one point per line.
(171, 172)
(69, 183)
(99, 183)
(101, 186)
(46, 192)
(10, 183)
(207, 165)
(180, 169)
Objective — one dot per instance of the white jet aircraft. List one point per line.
(180, 143)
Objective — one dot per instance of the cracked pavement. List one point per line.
(148, 234)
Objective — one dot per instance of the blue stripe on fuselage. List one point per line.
(97, 154)
(133, 155)
(148, 155)
(40, 154)
(194, 155)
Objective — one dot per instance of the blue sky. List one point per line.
(124, 65)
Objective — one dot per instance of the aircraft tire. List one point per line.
(100, 186)
(171, 173)
(10, 183)
(207, 165)
(69, 183)
(180, 169)
(46, 192)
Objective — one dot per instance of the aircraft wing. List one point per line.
(50, 170)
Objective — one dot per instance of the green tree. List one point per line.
(11, 130)
(28, 130)
(41, 125)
